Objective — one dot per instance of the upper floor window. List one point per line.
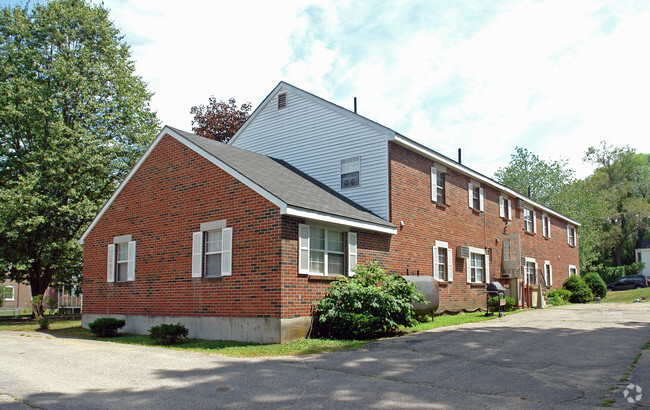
(546, 226)
(530, 220)
(121, 260)
(212, 250)
(571, 235)
(505, 207)
(8, 293)
(438, 184)
(282, 101)
(350, 169)
(475, 196)
(443, 262)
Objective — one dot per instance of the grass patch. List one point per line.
(72, 328)
(626, 296)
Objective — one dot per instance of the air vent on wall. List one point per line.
(462, 252)
(282, 101)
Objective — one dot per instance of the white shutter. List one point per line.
(470, 193)
(197, 254)
(509, 203)
(568, 234)
(536, 272)
(303, 251)
(487, 268)
(534, 222)
(130, 267)
(226, 254)
(434, 184)
(352, 252)
(502, 207)
(469, 270)
(450, 265)
(481, 205)
(435, 263)
(110, 265)
(548, 227)
(550, 275)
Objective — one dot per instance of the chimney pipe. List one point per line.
(355, 105)
(459, 155)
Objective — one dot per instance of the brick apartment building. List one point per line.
(239, 241)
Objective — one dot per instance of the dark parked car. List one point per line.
(629, 282)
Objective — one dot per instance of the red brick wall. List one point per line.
(166, 200)
(458, 225)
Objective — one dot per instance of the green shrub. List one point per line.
(493, 302)
(558, 297)
(106, 326)
(367, 304)
(43, 323)
(37, 306)
(596, 284)
(167, 334)
(580, 292)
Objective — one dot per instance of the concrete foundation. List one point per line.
(244, 329)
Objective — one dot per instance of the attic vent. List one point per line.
(282, 101)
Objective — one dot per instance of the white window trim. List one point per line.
(198, 249)
(535, 267)
(306, 246)
(505, 207)
(450, 261)
(549, 280)
(13, 293)
(470, 192)
(112, 263)
(486, 264)
(546, 225)
(358, 170)
(571, 232)
(435, 170)
(573, 267)
(533, 222)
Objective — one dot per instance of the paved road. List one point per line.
(568, 356)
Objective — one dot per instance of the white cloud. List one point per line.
(554, 77)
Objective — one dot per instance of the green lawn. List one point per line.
(627, 296)
(72, 328)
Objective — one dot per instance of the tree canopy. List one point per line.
(219, 120)
(73, 120)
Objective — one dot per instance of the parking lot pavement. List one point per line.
(569, 356)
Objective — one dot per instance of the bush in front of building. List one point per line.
(559, 297)
(168, 334)
(596, 284)
(580, 292)
(367, 304)
(493, 302)
(106, 326)
(610, 274)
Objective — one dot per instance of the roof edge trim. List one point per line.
(339, 220)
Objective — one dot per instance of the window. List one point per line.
(531, 272)
(530, 220)
(438, 185)
(322, 251)
(546, 226)
(571, 235)
(121, 260)
(212, 250)
(8, 293)
(350, 172)
(572, 270)
(548, 273)
(475, 195)
(477, 267)
(282, 101)
(505, 207)
(443, 269)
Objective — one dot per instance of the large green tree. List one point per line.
(74, 118)
(623, 183)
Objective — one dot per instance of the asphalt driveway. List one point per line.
(570, 356)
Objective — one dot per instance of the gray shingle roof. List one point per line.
(645, 244)
(284, 181)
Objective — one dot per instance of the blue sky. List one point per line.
(552, 76)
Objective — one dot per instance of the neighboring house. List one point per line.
(643, 255)
(239, 241)
(16, 295)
